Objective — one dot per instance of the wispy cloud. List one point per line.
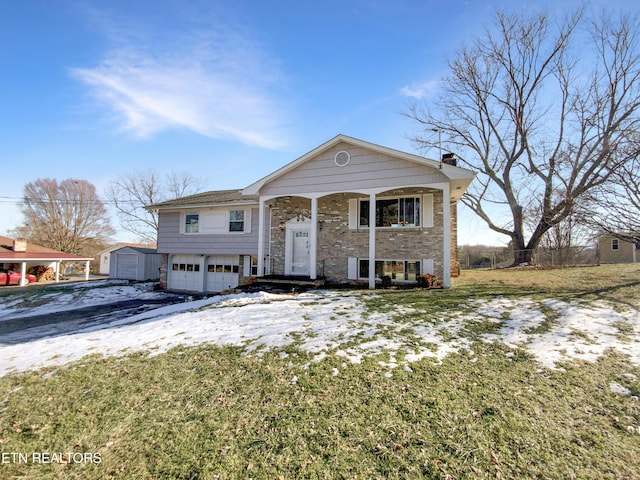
(421, 90)
(217, 85)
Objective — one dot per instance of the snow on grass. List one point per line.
(337, 323)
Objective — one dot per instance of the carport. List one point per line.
(15, 251)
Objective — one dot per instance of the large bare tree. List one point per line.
(537, 109)
(130, 193)
(67, 216)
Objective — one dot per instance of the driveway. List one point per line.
(47, 311)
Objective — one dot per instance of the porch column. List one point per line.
(23, 271)
(313, 239)
(261, 238)
(446, 236)
(57, 271)
(86, 271)
(372, 241)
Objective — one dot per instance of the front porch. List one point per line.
(324, 236)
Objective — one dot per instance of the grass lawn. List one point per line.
(216, 412)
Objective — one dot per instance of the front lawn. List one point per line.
(486, 403)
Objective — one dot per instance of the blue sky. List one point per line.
(226, 90)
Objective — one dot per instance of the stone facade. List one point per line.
(337, 242)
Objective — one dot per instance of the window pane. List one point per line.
(196, 267)
(211, 268)
(363, 269)
(364, 213)
(409, 212)
(236, 215)
(174, 266)
(191, 223)
(412, 271)
(386, 213)
(236, 221)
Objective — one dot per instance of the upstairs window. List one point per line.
(392, 212)
(615, 245)
(191, 223)
(236, 221)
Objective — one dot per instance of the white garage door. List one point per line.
(127, 266)
(222, 272)
(184, 273)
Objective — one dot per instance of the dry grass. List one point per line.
(210, 412)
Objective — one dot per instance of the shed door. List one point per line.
(127, 266)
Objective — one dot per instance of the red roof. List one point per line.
(34, 252)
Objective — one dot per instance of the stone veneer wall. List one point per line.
(164, 269)
(336, 242)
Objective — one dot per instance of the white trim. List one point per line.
(261, 233)
(446, 237)
(354, 213)
(372, 242)
(427, 210)
(428, 266)
(294, 225)
(352, 268)
(313, 239)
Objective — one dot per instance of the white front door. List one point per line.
(300, 252)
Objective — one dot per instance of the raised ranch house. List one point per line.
(348, 211)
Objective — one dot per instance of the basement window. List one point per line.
(400, 270)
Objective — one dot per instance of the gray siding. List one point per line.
(170, 240)
(366, 169)
(147, 264)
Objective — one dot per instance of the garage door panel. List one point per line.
(185, 273)
(222, 272)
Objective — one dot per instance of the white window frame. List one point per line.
(426, 212)
(183, 223)
(615, 244)
(405, 261)
(397, 198)
(224, 228)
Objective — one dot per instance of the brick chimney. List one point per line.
(450, 159)
(19, 245)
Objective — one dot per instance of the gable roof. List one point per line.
(34, 253)
(451, 172)
(216, 197)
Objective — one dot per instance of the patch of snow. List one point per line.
(328, 323)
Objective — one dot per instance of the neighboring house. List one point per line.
(312, 218)
(614, 250)
(19, 255)
(104, 256)
(135, 263)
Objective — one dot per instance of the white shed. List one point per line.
(135, 263)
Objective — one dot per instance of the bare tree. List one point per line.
(129, 194)
(614, 208)
(67, 216)
(536, 109)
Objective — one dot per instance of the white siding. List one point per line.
(366, 170)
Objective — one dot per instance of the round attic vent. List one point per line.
(342, 158)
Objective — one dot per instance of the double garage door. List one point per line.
(214, 273)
